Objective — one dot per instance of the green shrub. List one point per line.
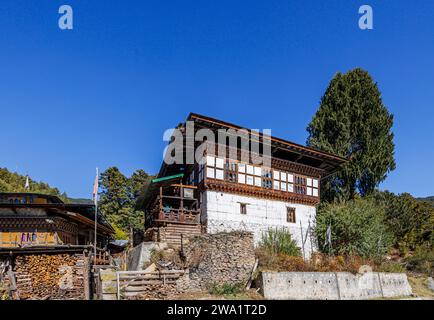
(410, 220)
(421, 261)
(279, 241)
(226, 288)
(357, 228)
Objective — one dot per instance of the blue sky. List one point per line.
(103, 93)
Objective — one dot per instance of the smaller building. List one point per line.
(38, 220)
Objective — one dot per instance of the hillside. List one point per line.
(14, 182)
(427, 199)
(80, 200)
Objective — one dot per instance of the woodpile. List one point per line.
(156, 292)
(50, 276)
(173, 234)
(159, 284)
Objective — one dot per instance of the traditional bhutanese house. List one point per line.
(223, 193)
(46, 246)
(37, 220)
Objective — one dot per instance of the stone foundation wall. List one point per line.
(219, 258)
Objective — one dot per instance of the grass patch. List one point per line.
(419, 286)
(226, 289)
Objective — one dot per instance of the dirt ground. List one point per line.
(247, 295)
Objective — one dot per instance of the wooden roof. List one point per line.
(283, 149)
(83, 213)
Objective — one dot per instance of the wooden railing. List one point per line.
(102, 257)
(179, 215)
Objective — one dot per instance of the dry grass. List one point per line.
(318, 263)
(245, 295)
(419, 285)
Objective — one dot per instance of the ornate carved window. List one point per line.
(231, 171)
(300, 184)
(290, 215)
(267, 181)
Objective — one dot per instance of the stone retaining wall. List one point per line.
(219, 258)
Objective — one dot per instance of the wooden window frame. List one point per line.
(231, 172)
(290, 215)
(300, 184)
(243, 208)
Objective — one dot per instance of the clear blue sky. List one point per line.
(103, 93)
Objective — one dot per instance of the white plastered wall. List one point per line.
(221, 213)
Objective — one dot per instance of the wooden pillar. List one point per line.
(182, 218)
(160, 213)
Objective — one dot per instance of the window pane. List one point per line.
(241, 167)
(241, 178)
(258, 171)
(258, 182)
(219, 163)
(210, 161)
(276, 185)
(219, 174)
(276, 175)
(210, 173)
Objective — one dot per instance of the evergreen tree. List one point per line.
(118, 197)
(353, 122)
(114, 198)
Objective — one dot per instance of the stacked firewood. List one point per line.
(49, 276)
(156, 292)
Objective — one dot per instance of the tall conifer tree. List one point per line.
(353, 122)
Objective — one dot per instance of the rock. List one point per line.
(151, 268)
(431, 283)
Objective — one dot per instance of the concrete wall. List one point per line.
(221, 212)
(394, 284)
(332, 285)
(140, 254)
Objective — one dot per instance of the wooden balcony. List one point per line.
(177, 203)
(179, 216)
